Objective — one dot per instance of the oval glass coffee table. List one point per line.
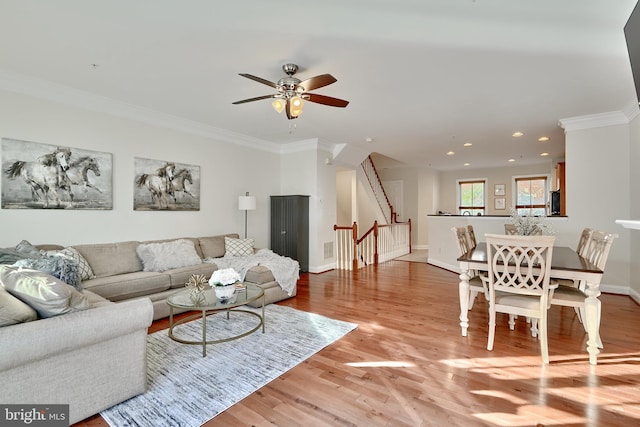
(210, 304)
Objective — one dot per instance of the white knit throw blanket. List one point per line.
(285, 270)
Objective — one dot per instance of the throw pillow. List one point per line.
(28, 249)
(47, 295)
(238, 247)
(167, 255)
(13, 311)
(61, 267)
(9, 256)
(84, 269)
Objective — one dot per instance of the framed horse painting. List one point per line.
(165, 185)
(44, 176)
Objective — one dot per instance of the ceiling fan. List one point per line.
(292, 92)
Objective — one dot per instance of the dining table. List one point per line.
(566, 263)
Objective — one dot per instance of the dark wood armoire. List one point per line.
(290, 228)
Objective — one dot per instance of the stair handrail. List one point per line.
(375, 183)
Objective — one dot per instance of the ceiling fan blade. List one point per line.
(259, 80)
(258, 98)
(326, 100)
(317, 82)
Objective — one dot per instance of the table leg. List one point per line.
(263, 318)
(592, 309)
(464, 300)
(204, 333)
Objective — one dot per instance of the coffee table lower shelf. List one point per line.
(204, 315)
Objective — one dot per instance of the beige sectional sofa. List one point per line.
(119, 272)
(95, 358)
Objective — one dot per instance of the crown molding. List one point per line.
(43, 89)
(611, 118)
(631, 110)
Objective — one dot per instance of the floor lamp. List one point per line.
(246, 203)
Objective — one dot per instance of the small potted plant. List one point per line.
(223, 282)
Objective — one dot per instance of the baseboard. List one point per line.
(322, 268)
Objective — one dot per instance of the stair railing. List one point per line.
(371, 173)
(378, 244)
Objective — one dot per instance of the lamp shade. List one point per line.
(247, 203)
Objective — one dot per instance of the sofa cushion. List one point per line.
(47, 295)
(167, 255)
(180, 276)
(108, 259)
(259, 274)
(128, 285)
(13, 311)
(238, 247)
(213, 247)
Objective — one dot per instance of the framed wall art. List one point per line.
(165, 185)
(499, 203)
(45, 176)
(499, 190)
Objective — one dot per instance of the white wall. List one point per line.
(304, 171)
(227, 171)
(598, 186)
(634, 199)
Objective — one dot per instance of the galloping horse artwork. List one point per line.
(42, 176)
(165, 185)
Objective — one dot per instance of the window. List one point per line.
(531, 195)
(471, 198)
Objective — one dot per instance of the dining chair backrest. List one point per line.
(510, 229)
(461, 239)
(583, 243)
(597, 250)
(519, 264)
(471, 235)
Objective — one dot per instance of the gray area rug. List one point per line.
(420, 255)
(185, 389)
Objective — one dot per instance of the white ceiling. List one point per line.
(422, 76)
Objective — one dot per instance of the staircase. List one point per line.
(380, 242)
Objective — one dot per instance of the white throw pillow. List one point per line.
(47, 295)
(238, 247)
(164, 256)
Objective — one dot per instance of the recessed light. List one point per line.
(369, 139)
(450, 153)
(468, 144)
(517, 134)
(544, 154)
(543, 139)
(467, 164)
(512, 160)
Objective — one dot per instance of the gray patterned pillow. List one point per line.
(238, 247)
(60, 267)
(84, 269)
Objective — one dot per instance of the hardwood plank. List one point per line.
(408, 365)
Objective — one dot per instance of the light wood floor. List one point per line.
(407, 364)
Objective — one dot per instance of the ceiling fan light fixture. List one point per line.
(278, 105)
(296, 106)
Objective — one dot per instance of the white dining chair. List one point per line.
(596, 252)
(471, 235)
(476, 283)
(581, 249)
(519, 282)
(510, 229)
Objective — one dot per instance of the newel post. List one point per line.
(375, 242)
(354, 262)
